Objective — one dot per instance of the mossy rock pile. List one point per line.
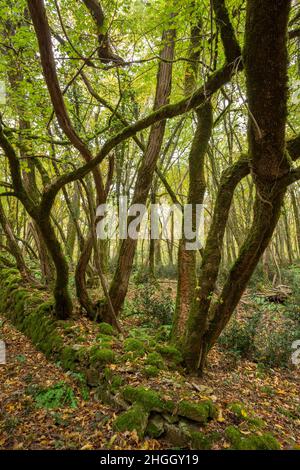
(146, 411)
(165, 416)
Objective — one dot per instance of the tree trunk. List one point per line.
(119, 285)
(14, 247)
(265, 61)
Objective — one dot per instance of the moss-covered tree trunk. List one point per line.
(197, 185)
(187, 279)
(265, 60)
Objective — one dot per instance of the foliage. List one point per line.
(156, 306)
(57, 396)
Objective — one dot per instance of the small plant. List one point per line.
(57, 396)
(238, 337)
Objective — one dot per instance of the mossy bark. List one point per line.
(187, 279)
(265, 60)
(197, 185)
(63, 301)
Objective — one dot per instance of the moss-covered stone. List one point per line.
(155, 427)
(200, 412)
(264, 441)
(149, 399)
(151, 371)
(106, 329)
(40, 326)
(203, 441)
(134, 419)
(69, 358)
(114, 380)
(170, 352)
(105, 340)
(155, 359)
(134, 346)
(101, 356)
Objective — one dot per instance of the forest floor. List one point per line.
(273, 395)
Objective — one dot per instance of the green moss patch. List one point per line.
(155, 359)
(151, 371)
(264, 441)
(100, 357)
(149, 399)
(170, 353)
(200, 412)
(134, 419)
(134, 346)
(203, 441)
(243, 414)
(106, 329)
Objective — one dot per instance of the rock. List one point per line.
(150, 400)
(171, 419)
(134, 419)
(155, 427)
(92, 377)
(200, 412)
(176, 436)
(203, 441)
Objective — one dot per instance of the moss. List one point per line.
(41, 328)
(101, 356)
(200, 412)
(135, 346)
(151, 371)
(134, 419)
(69, 358)
(200, 441)
(155, 359)
(106, 329)
(241, 412)
(155, 427)
(150, 400)
(105, 340)
(264, 441)
(115, 381)
(171, 353)
(233, 435)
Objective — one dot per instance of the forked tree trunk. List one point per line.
(266, 77)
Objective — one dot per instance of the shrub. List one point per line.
(238, 337)
(156, 305)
